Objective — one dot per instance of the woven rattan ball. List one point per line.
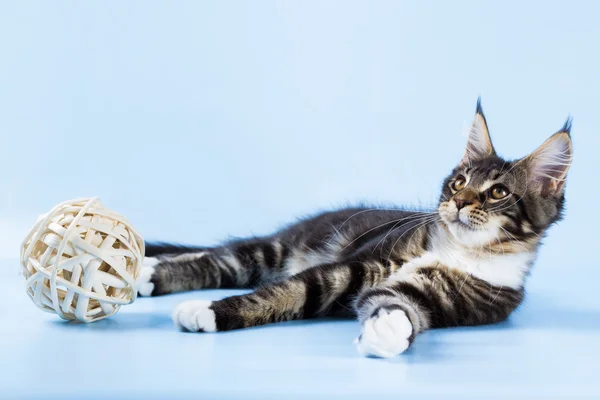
(81, 260)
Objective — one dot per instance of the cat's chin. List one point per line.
(462, 230)
(470, 235)
(457, 223)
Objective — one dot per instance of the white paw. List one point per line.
(194, 316)
(385, 334)
(144, 286)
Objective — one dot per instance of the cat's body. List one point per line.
(399, 271)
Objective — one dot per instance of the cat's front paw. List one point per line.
(195, 316)
(145, 283)
(386, 334)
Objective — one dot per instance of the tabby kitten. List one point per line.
(400, 272)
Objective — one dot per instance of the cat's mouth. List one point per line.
(462, 224)
(465, 219)
(462, 221)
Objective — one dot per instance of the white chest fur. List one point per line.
(497, 269)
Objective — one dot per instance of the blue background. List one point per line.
(200, 120)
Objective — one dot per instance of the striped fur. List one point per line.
(400, 272)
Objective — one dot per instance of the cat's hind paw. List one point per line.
(386, 334)
(195, 316)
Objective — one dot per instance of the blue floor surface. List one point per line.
(550, 348)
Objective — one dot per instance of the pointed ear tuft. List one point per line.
(479, 110)
(548, 165)
(567, 126)
(479, 144)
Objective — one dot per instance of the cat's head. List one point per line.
(487, 199)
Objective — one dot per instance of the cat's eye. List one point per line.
(459, 183)
(499, 192)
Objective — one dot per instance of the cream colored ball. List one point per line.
(81, 261)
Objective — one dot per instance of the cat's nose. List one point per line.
(460, 203)
(465, 198)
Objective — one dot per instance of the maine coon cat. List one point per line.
(400, 272)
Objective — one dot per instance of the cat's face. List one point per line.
(488, 200)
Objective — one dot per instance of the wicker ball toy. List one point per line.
(81, 260)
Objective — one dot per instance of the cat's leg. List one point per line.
(395, 312)
(323, 290)
(239, 264)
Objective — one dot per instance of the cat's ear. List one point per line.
(479, 144)
(547, 167)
